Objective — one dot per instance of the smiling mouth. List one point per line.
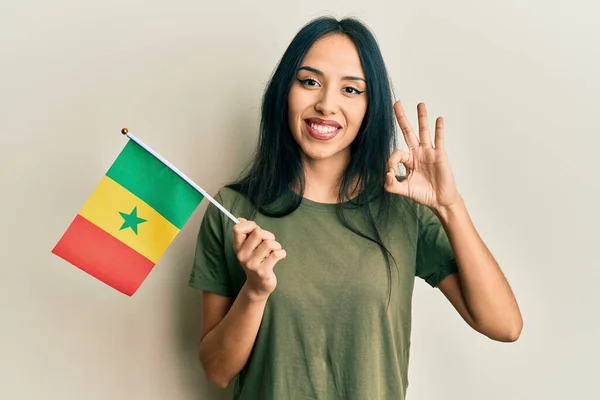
(321, 131)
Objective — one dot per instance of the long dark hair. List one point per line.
(276, 166)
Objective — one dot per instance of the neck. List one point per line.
(322, 178)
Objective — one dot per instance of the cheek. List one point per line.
(356, 114)
(296, 102)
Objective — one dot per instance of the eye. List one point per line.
(352, 90)
(308, 82)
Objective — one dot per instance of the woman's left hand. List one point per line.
(429, 179)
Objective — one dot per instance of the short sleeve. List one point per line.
(435, 257)
(209, 270)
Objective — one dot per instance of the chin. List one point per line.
(317, 155)
(319, 152)
(315, 150)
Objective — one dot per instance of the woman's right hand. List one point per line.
(257, 252)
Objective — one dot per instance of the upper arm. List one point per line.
(435, 258)
(214, 309)
(210, 269)
(451, 288)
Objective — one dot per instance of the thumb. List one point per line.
(392, 184)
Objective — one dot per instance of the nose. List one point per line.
(327, 102)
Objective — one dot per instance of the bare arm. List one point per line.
(479, 292)
(229, 327)
(228, 334)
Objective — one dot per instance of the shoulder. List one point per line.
(405, 206)
(216, 223)
(228, 196)
(232, 200)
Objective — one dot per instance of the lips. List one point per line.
(323, 122)
(323, 129)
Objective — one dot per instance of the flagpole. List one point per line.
(125, 132)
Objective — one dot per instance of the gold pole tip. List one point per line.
(124, 131)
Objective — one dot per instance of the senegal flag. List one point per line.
(129, 220)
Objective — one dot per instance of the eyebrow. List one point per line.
(320, 73)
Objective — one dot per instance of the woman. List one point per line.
(309, 296)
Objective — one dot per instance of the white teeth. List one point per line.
(323, 128)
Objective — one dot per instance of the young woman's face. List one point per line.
(328, 100)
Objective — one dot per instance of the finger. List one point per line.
(423, 125)
(392, 184)
(244, 226)
(265, 249)
(260, 234)
(274, 258)
(439, 133)
(253, 241)
(397, 157)
(241, 231)
(409, 136)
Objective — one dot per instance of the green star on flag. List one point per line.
(131, 220)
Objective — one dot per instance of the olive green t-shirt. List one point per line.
(327, 331)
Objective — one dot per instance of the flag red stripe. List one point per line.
(101, 255)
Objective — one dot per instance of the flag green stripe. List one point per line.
(155, 183)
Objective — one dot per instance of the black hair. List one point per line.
(277, 167)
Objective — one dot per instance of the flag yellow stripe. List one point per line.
(103, 209)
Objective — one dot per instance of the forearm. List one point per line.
(487, 294)
(225, 349)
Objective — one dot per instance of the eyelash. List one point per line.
(305, 81)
